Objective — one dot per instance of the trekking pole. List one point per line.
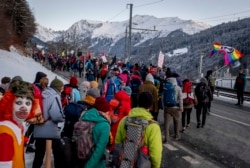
(48, 154)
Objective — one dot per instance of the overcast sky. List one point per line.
(61, 14)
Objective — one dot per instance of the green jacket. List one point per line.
(152, 138)
(100, 136)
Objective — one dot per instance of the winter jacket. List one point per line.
(152, 136)
(100, 136)
(149, 86)
(240, 82)
(203, 81)
(178, 93)
(53, 114)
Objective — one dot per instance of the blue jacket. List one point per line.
(100, 132)
(52, 113)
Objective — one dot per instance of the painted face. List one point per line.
(21, 108)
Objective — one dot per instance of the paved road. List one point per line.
(223, 143)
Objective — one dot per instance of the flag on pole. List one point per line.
(160, 59)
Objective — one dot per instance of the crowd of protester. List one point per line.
(107, 105)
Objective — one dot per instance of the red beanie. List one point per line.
(73, 81)
(101, 104)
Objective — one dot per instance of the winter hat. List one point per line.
(39, 76)
(128, 90)
(22, 89)
(85, 84)
(209, 72)
(94, 92)
(150, 78)
(93, 84)
(145, 100)
(73, 81)
(56, 84)
(16, 78)
(101, 104)
(89, 100)
(5, 80)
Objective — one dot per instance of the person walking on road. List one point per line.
(240, 86)
(211, 84)
(203, 94)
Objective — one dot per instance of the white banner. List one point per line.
(160, 59)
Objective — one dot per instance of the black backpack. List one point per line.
(203, 92)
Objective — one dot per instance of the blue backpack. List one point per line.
(169, 95)
(114, 85)
(134, 85)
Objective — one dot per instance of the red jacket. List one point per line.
(124, 109)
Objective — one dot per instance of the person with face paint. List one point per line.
(16, 106)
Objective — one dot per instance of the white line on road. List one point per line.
(230, 119)
(170, 147)
(198, 157)
(191, 160)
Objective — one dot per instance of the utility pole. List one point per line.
(200, 69)
(129, 31)
(128, 43)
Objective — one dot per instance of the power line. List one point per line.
(225, 15)
(117, 15)
(150, 3)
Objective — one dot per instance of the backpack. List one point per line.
(187, 87)
(73, 111)
(134, 142)
(169, 95)
(103, 71)
(112, 88)
(134, 85)
(83, 138)
(202, 92)
(69, 94)
(188, 101)
(239, 80)
(81, 65)
(66, 95)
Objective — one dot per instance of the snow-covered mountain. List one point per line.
(142, 24)
(46, 34)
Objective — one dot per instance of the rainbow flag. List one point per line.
(230, 54)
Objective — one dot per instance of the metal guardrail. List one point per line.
(227, 92)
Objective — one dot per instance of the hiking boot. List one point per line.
(178, 138)
(165, 142)
(183, 129)
(198, 125)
